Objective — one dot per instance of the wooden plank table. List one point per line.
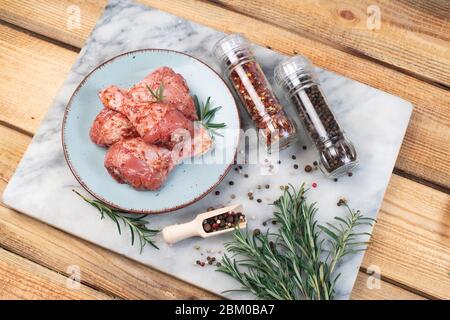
(409, 56)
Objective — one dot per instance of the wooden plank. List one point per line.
(411, 240)
(71, 21)
(56, 250)
(368, 289)
(412, 35)
(32, 72)
(424, 152)
(100, 268)
(23, 279)
(12, 147)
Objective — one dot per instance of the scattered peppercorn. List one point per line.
(245, 175)
(256, 232)
(294, 157)
(232, 196)
(267, 186)
(274, 222)
(350, 174)
(258, 200)
(264, 223)
(335, 179)
(314, 185)
(217, 192)
(240, 167)
(315, 163)
(308, 168)
(218, 264)
(296, 166)
(279, 161)
(342, 201)
(231, 183)
(223, 221)
(304, 148)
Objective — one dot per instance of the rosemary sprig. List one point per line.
(158, 94)
(206, 114)
(298, 261)
(135, 223)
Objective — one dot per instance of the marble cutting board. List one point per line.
(374, 120)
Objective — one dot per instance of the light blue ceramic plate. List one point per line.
(188, 182)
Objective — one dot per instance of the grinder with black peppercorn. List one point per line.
(297, 79)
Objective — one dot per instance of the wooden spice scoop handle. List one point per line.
(177, 232)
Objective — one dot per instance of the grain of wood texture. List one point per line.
(32, 71)
(100, 268)
(12, 146)
(424, 152)
(412, 35)
(112, 273)
(411, 240)
(379, 290)
(73, 17)
(422, 96)
(23, 279)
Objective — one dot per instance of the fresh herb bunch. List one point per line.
(298, 261)
(136, 223)
(206, 114)
(158, 94)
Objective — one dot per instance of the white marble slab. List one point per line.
(41, 187)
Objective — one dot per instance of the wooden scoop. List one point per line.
(177, 232)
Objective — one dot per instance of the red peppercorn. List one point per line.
(314, 185)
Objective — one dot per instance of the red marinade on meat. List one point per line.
(109, 127)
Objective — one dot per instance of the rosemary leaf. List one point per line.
(292, 262)
(158, 94)
(135, 223)
(206, 114)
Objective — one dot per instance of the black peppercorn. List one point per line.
(231, 183)
(217, 192)
(308, 168)
(259, 200)
(294, 157)
(256, 232)
(295, 166)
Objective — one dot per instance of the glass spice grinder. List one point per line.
(297, 78)
(254, 91)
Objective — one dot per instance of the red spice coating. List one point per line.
(254, 90)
